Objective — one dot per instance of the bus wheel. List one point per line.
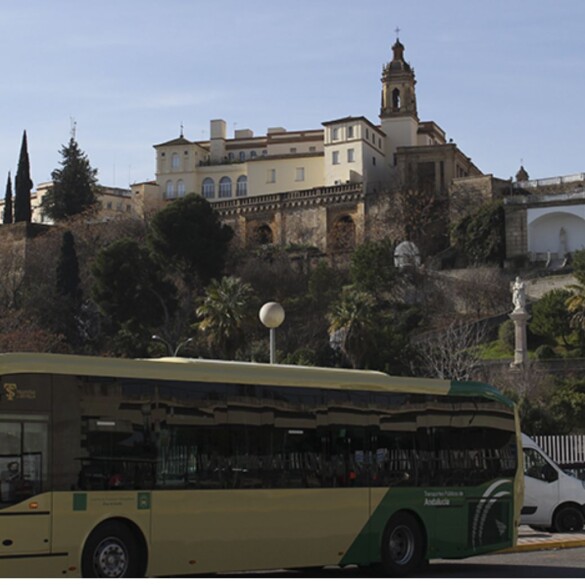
(111, 551)
(569, 519)
(403, 545)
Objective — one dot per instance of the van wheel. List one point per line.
(403, 545)
(569, 519)
(111, 551)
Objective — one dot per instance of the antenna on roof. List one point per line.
(181, 130)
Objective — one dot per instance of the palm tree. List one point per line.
(224, 310)
(352, 319)
(576, 306)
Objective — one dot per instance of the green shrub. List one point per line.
(545, 352)
(506, 335)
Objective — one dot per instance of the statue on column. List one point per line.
(519, 295)
(520, 317)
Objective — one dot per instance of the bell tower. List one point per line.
(398, 113)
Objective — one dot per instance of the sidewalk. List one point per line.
(529, 540)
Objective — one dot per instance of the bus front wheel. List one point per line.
(403, 545)
(111, 551)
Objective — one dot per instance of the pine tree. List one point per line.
(74, 186)
(23, 185)
(68, 269)
(7, 215)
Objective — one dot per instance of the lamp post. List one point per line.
(173, 352)
(272, 316)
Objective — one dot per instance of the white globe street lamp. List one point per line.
(272, 316)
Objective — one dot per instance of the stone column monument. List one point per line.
(520, 317)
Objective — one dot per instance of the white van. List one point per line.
(553, 500)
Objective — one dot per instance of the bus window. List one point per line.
(23, 457)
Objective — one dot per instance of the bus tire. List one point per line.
(568, 519)
(111, 551)
(403, 545)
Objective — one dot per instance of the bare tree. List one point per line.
(452, 353)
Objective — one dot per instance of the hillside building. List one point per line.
(320, 187)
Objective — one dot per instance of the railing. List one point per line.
(566, 450)
(284, 198)
(552, 181)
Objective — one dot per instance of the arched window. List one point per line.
(396, 99)
(169, 190)
(175, 161)
(180, 188)
(242, 156)
(242, 186)
(225, 187)
(208, 188)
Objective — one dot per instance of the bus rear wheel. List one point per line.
(111, 551)
(403, 545)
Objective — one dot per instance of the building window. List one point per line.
(350, 131)
(169, 190)
(335, 134)
(242, 186)
(271, 176)
(367, 134)
(175, 161)
(396, 99)
(242, 156)
(180, 188)
(253, 154)
(225, 187)
(312, 149)
(350, 155)
(231, 156)
(264, 153)
(335, 157)
(300, 174)
(374, 161)
(293, 150)
(208, 188)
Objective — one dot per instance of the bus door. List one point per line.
(25, 518)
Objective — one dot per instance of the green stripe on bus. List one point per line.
(479, 389)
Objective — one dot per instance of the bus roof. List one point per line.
(200, 370)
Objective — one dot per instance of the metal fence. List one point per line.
(566, 450)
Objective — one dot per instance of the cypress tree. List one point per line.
(23, 185)
(74, 185)
(68, 269)
(7, 215)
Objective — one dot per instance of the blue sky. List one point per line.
(504, 79)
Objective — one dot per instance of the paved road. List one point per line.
(537, 555)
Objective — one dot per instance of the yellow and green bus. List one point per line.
(129, 468)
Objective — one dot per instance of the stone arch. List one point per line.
(342, 236)
(260, 232)
(557, 232)
(263, 235)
